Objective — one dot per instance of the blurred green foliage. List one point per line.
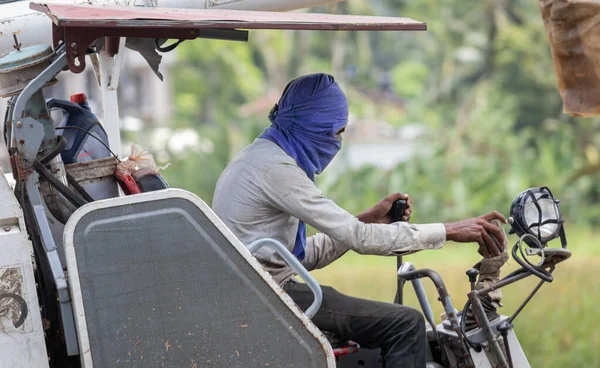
(481, 82)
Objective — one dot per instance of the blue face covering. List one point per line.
(310, 111)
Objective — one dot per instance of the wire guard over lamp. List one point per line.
(535, 217)
(535, 212)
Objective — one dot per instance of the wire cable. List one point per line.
(78, 187)
(169, 48)
(60, 145)
(91, 135)
(71, 195)
(462, 325)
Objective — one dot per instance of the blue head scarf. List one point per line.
(310, 111)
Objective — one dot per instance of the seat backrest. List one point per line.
(157, 279)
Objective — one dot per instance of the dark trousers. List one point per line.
(397, 329)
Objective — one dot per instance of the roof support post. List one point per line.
(108, 70)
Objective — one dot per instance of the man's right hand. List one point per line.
(479, 230)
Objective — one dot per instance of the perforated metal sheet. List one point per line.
(162, 286)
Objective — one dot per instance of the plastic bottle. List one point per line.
(81, 100)
(77, 127)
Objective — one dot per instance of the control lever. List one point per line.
(397, 210)
(472, 273)
(395, 214)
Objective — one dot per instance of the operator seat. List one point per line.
(157, 278)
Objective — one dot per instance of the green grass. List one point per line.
(558, 328)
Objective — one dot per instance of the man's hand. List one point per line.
(479, 230)
(378, 214)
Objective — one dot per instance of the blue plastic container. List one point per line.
(82, 131)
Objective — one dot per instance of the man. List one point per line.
(268, 190)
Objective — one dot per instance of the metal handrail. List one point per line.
(420, 292)
(295, 264)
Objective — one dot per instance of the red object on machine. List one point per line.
(78, 98)
(127, 183)
(351, 348)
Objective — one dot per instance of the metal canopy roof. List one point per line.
(124, 17)
(78, 26)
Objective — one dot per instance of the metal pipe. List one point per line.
(484, 323)
(440, 286)
(400, 283)
(502, 283)
(295, 264)
(444, 297)
(507, 349)
(420, 292)
(35, 86)
(539, 285)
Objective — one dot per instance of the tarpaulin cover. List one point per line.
(573, 28)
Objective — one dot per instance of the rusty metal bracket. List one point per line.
(78, 26)
(79, 39)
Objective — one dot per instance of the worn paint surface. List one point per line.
(93, 171)
(11, 282)
(120, 17)
(18, 68)
(21, 346)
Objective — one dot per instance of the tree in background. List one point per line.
(480, 79)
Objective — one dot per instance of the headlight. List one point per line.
(535, 211)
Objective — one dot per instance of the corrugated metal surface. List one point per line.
(124, 17)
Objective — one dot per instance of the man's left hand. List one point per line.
(378, 214)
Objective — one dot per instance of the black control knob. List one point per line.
(397, 210)
(395, 215)
(472, 273)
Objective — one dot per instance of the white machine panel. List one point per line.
(21, 339)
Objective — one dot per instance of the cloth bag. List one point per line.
(573, 28)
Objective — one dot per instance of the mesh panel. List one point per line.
(162, 287)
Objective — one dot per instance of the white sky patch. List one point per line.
(188, 139)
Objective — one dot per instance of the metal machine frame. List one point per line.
(489, 333)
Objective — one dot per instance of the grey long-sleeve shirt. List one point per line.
(263, 192)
